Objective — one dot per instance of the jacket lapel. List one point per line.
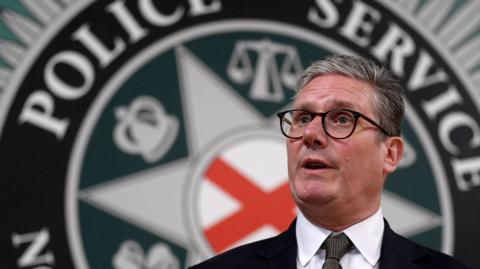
(281, 252)
(398, 252)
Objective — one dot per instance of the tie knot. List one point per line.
(336, 246)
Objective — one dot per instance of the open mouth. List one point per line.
(314, 164)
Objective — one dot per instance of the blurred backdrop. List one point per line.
(143, 133)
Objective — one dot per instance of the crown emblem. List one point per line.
(145, 129)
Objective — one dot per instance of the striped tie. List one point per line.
(336, 246)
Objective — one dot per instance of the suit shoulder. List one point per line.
(245, 256)
(440, 260)
(425, 257)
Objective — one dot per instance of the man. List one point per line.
(343, 139)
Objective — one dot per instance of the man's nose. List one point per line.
(314, 134)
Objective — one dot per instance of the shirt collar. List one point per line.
(366, 236)
(309, 238)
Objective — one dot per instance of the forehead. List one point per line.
(332, 91)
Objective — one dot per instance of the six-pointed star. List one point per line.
(141, 198)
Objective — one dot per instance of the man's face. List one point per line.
(343, 172)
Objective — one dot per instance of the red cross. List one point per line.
(258, 208)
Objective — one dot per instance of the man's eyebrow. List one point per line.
(339, 104)
(333, 104)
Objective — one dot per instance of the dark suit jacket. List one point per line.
(281, 252)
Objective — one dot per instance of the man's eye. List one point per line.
(305, 119)
(302, 118)
(341, 118)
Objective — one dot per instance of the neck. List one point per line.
(334, 218)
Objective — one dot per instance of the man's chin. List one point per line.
(313, 198)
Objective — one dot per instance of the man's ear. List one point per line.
(393, 154)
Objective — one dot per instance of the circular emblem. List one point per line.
(231, 188)
(141, 134)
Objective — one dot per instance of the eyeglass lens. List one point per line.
(336, 123)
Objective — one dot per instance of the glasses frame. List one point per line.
(356, 115)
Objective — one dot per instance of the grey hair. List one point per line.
(388, 96)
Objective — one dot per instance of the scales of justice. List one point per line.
(268, 81)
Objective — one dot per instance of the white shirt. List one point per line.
(366, 237)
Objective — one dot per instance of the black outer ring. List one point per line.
(33, 168)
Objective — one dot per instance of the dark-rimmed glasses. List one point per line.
(337, 123)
